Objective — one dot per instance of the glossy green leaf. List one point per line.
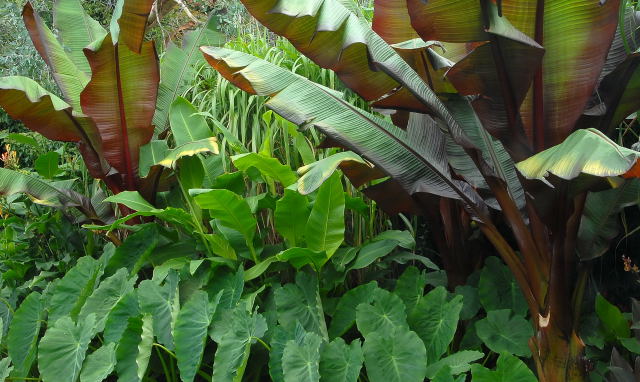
(23, 334)
(221, 247)
(316, 173)
(99, 364)
(131, 199)
(325, 227)
(509, 369)
(290, 217)
(270, 167)
(151, 154)
(340, 362)
(299, 257)
(435, 319)
(372, 252)
(384, 315)
(207, 145)
(63, 348)
(47, 164)
(106, 296)
(71, 292)
(612, 319)
(190, 333)
(186, 125)
(345, 314)
(395, 356)
(491, 331)
(301, 359)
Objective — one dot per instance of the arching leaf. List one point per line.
(186, 125)
(268, 166)
(325, 227)
(316, 173)
(72, 291)
(99, 364)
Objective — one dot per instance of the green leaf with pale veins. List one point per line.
(131, 199)
(316, 173)
(24, 332)
(134, 349)
(99, 364)
(509, 369)
(290, 217)
(385, 314)
(71, 292)
(186, 125)
(497, 288)
(340, 362)
(301, 359)
(160, 302)
(300, 303)
(116, 322)
(63, 348)
(435, 319)
(410, 287)
(325, 227)
(456, 363)
(493, 331)
(345, 314)
(396, 356)
(268, 166)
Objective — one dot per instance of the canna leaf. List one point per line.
(131, 199)
(299, 257)
(325, 227)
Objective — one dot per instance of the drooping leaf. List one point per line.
(299, 257)
(316, 173)
(71, 292)
(134, 251)
(509, 369)
(268, 166)
(301, 359)
(586, 151)
(120, 98)
(63, 348)
(614, 322)
(325, 227)
(291, 216)
(129, 22)
(106, 296)
(23, 334)
(161, 303)
(391, 21)
(456, 363)
(186, 125)
(134, 348)
(373, 251)
(491, 331)
(395, 356)
(99, 364)
(340, 362)
(151, 154)
(345, 314)
(435, 319)
(117, 320)
(384, 315)
(77, 30)
(190, 333)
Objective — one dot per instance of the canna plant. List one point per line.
(114, 90)
(501, 117)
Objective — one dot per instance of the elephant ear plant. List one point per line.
(476, 89)
(110, 81)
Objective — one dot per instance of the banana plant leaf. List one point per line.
(129, 22)
(416, 158)
(391, 21)
(122, 105)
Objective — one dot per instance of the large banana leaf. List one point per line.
(69, 78)
(121, 99)
(178, 66)
(391, 21)
(416, 158)
(23, 99)
(77, 30)
(129, 22)
(447, 20)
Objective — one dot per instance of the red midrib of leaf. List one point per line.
(123, 125)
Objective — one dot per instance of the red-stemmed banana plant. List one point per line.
(494, 117)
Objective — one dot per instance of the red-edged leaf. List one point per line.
(121, 98)
(133, 23)
(391, 21)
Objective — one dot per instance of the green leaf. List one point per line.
(491, 331)
(404, 238)
(267, 166)
(71, 292)
(435, 319)
(299, 257)
(372, 252)
(279, 339)
(106, 296)
(131, 199)
(340, 362)
(509, 369)
(160, 302)
(586, 151)
(190, 333)
(301, 359)
(232, 211)
(395, 356)
(134, 349)
(235, 345)
(290, 217)
(345, 314)
(63, 348)
(134, 251)
(316, 173)
(99, 364)
(300, 303)
(117, 321)
(208, 145)
(47, 165)
(23, 138)
(186, 124)
(612, 319)
(23, 334)
(470, 301)
(5, 369)
(410, 287)
(220, 246)
(385, 314)
(498, 290)
(150, 154)
(190, 172)
(325, 227)
(456, 363)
